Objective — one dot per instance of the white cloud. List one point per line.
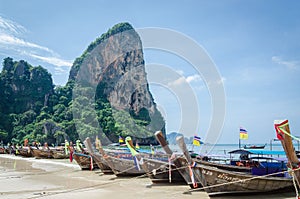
(14, 41)
(189, 79)
(52, 60)
(193, 78)
(11, 43)
(178, 82)
(292, 65)
(14, 28)
(196, 79)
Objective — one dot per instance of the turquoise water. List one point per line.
(222, 149)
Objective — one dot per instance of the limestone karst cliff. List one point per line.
(115, 66)
(107, 95)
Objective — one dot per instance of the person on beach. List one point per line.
(46, 146)
(25, 142)
(71, 148)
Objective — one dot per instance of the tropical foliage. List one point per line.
(32, 108)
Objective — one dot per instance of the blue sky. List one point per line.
(255, 46)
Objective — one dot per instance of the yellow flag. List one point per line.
(196, 141)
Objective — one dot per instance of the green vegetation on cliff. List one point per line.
(32, 108)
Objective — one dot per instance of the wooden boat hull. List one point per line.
(124, 167)
(159, 171)
(84, 161)
(39, 153)
(181, 163)
(102, 163)
(57, 154)
(25, 152)
(2, 150)
(220, 181)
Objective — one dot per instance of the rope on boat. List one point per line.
(295, 180)
(170, 159)
(295, 186)
(279, 129)
(150, 172)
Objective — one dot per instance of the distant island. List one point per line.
(32, 108)
(171, 138)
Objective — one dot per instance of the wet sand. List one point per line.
(51, 179)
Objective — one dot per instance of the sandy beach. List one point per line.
(39, 178)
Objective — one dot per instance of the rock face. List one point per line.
(24, 87)
(114, 64)
(111, 89)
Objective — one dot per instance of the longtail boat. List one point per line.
(161, 171)
(41, 153)
(160, 168)
(253, 146)
(24, 151)
(83, 159)
(181, 164)
(59, 154)
(219, 180)
(123, 165)
(284, 135)
(98, 158)
(102, 163)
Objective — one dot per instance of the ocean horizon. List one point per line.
(223, 149)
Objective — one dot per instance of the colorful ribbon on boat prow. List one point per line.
(279, 127)
(130, 146)
(282, 128)
(134, 153)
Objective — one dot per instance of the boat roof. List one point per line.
(257, 152)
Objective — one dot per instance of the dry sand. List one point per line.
(52, 179)
(39, 178)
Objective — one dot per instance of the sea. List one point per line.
(224, 149)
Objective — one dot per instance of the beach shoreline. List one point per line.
(32, 178)
(47, 178)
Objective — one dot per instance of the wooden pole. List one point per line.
(88, 144)
(160, 138)
(182, 146)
